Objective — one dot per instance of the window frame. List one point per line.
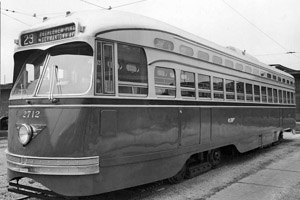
(264, 94)
(256, 95)
(230, 92)
(249, 96)
(218, 93)
(102, 69)
(165, 86)
(132, 86)
(239, 92)
(191, 90)
(204, 90)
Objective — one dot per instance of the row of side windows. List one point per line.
(188, 51)
(133, 79)
(217, 88)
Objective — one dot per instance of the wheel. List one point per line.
(215, 157)
(179, 176)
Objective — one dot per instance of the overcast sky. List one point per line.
(266, 29)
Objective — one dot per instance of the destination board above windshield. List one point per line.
(48, 35)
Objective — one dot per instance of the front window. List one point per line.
(30, 74)
(63, 70)
(69, 70)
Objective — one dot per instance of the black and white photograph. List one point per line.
(150, 100)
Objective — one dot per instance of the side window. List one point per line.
(108, 68)
(264, 94)
(256, 71)
(249, 92)
(240, 89)
(230, 90)
(185, 50)
(284, 97)
(203, 55)
(132, 70)
(217, 60)
(270, 99)
(292, 98)
(164, 44)
(248, 69)
(280, 96)
(239, 67)
(165, 81)
(187, 84)
(256, 93)
(105, 69)
(204, 86)
(275, 96)
(288, 97)
(229, 63)
(218, 88)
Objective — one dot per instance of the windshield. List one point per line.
(61, 70)
(29, 75)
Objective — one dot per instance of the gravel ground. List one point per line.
(3, 182)
(230, 171)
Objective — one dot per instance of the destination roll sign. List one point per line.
(48, 35)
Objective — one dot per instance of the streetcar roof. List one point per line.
(100, 21)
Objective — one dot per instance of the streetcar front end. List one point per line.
(46, 132)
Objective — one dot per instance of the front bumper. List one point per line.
(52, 166)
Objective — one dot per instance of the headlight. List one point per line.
(25, 134)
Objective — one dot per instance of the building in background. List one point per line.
(4, 96)
(296, 74)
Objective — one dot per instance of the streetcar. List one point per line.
(107, 100)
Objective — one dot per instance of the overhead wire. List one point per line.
(93, 4)
(18, 12)
(129, 4)
(273, 54)
(112, 7)
(15, 19)
(257, 28)
(35, 15)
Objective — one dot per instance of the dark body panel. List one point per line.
(62, 135)
(148, 141)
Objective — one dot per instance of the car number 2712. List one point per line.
(31, 114)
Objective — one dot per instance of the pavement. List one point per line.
(278, 180)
